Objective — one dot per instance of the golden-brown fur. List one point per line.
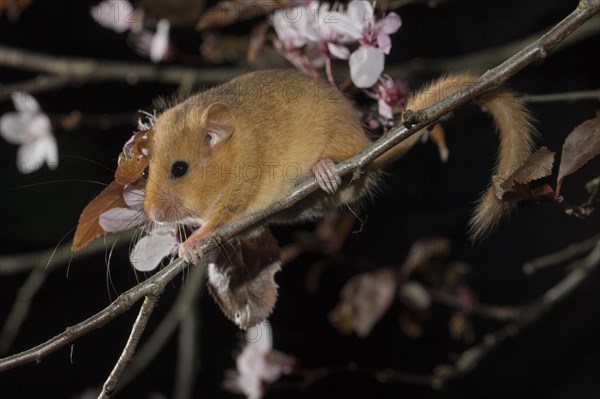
(283, 123)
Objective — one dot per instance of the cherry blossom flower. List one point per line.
(358, 23)
(120, 219)
(114, 14)
(159, 242)
(31, 129)
(258, 365)
(155, 45)
(389, 94)
(152, 248)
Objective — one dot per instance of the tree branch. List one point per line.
(134, 338)
(555, 97)
(155, 284)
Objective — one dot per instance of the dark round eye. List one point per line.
(145, 173)
(179, 169)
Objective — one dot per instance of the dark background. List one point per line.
(558, 357)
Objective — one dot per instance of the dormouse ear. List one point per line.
(219, 123)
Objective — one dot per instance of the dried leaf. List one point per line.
(364, 299)
(241, 278)
(581, 145)
(438, 136)
(134, 158)
(515, 187)
(14, 8)
(88, 227)
(414, 296)
(180, 13)
(257, 40)
(424, 255)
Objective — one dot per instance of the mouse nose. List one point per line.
(157, 214)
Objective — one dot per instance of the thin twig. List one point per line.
(555, 97)
(186, 357)
(168, 324)
(421, 119)
(63, 70)
(470, 358)
(50, 259)
(153, 286)
(561, 256)
(134, 338)
(20, 308)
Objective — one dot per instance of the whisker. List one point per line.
(57, 181)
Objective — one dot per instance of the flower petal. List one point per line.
(150, 250)
(12, 128)
(25, 103)
(113, 14)
(338, 51)
(390, 24)
(37, 126)
(384, 42)
(160, 41)
(31, 156)
(134, 197)
(384, 109)
(361, 12)
(115, 220)
(366, 65)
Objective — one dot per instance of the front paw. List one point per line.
(191, 249)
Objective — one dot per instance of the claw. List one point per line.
(327, 178)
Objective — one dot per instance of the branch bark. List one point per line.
(155, 284)
(134, 338)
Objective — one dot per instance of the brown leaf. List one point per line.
(581, 145)
(88, 227)
(364, 299)
(438, 136)
(14, 8)
(257, 40)
(424, 255)
(241, 278)
(134, 158)
(180, 13)
(514, 188)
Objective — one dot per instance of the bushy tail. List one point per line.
(513, 121)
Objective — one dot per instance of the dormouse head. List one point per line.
(188, 141)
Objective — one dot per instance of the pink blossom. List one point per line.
(358, 23)
(120, 219)
(258, 364)
(151, 249)
(390, 94)
(114, 14)
(31, 129)
(155, 45)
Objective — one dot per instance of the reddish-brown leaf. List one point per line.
(241, 278)
(514, 188)
(88, 227)
(581, 145)
(364, 299)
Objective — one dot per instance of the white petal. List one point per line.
(134, 197)
(160, 41)
(31, 156)
(113, 14)
(12, 128)
(25, 103)
(385, 110)
(361, 11)
(390, 24)
(51, 155)
(150, 250)
(121, 219)
(366, 65)
(338, 51)
(37, 126)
